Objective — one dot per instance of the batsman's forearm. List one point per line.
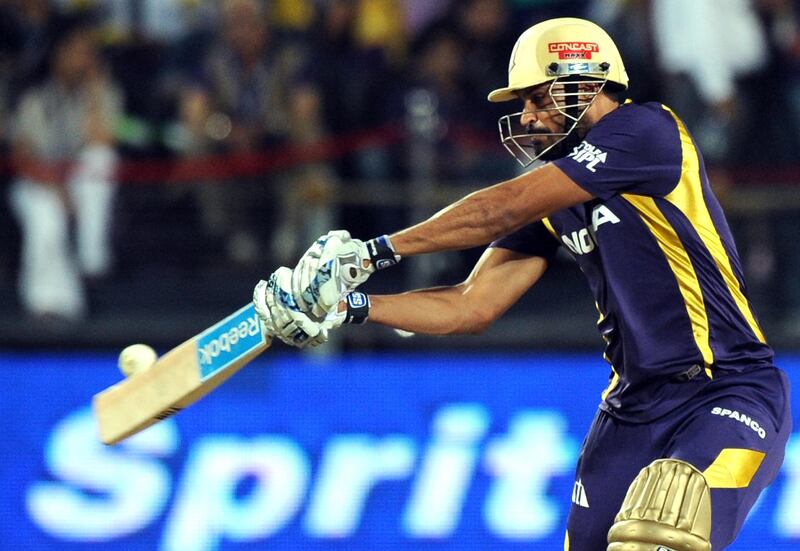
(496, 282)
(493, 212)
(434, 311)
(477, 219)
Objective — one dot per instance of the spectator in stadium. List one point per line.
(252, 95)
(784, 19)
(63, 150)
(28, 29)
(484, 27)
(436, 78)
(443, 78)
(628, 22)
(146, 21)
(382, 24)
(715, 97)
(353, 100)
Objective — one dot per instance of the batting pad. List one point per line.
(667, 508)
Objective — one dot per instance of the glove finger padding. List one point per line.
(339, 275)
(291, 325)
(316, 255)
(262, 308)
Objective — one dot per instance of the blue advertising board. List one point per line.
(301, 452)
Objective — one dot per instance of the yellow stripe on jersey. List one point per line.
(566, 541)
(549, 226)
(601, 318)
(733, 468)
(611, 385)
(681, 266)
(688, 198)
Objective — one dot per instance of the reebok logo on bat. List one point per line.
(224, 342)
(742, 418)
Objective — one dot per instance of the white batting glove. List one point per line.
(309, 263)
(276, 307)
(334, 266)
(353, 309)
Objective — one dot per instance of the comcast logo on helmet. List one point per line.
(573, 50)
(573, 60)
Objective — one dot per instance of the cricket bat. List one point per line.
(180, 377)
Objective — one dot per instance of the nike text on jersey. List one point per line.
(583, 241)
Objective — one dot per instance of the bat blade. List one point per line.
(180, 377)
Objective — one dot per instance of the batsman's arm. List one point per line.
(493, 212)
(498, 280)
(336, 264)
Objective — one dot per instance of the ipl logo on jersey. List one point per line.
(589, 154)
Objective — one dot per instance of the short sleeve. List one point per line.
(634, 149)
(532, 240)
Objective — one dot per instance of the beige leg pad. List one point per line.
(667, 508)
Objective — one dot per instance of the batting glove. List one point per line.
(282, 318)
(334, 266)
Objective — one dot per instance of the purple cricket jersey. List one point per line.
(660, 260)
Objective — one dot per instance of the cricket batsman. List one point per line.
(693, 424)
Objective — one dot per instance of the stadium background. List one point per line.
(394, 125)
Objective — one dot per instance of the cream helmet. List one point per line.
(566, 52)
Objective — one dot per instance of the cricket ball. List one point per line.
(136, 358)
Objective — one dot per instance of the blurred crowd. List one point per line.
(98, 96)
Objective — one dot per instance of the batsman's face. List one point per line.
(541, 117)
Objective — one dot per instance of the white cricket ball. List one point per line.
(136, 358)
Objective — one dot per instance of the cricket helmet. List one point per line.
(564, 51)
(576, 46)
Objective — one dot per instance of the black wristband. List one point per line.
(381, 252)
(357, 308)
